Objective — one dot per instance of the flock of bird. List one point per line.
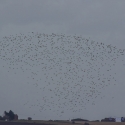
(69, 72)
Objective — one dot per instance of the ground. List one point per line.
(34, 122)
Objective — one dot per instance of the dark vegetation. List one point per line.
(9, 116)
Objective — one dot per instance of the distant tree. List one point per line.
(29, 118)
(9, 116)
(6, 115)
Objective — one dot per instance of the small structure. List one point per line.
(122, 119)
(79, 119)
(108, 120)
(114, 119)
(15, 117)
(119, 119)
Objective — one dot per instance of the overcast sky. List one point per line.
(99, 20)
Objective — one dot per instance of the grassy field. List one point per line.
(34, 122)
(70, 123)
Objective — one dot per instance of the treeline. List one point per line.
(9, 116)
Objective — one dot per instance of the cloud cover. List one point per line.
(100, 20)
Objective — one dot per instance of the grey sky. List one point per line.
(101, 20)
(98, 19)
